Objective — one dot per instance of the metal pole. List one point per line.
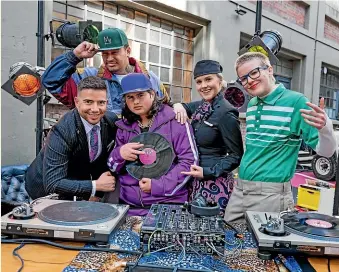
(258, 13)
(41, 63)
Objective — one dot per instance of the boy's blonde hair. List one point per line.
(250, 56)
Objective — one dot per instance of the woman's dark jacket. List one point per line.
(218, 138)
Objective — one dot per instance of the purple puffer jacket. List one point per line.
(170, 188)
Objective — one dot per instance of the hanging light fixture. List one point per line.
(237, 96)
(24, 82)
(72, 34)
(268, 42)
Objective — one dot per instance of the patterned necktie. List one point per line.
(94, 140)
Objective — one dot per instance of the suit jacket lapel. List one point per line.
(104, 136)
(81, 135)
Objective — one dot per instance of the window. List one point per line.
(283, 68)
(164, 47)
(329, 89)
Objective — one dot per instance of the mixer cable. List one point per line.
(24, 241)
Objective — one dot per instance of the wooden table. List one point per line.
(51, 259)
(54, 259)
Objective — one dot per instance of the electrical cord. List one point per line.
(24, 241)
(41, 241)
(329, 264)
(137, 262)
(22, 260)
(182, 252)
(237, 233)
(16, 254)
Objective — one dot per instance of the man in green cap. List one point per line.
(62, 77)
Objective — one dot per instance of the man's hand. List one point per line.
(106, 182)
(315, 117)
(130, 151)
(195, 171)
(180, 113)
(94, 199)
(85, 50)
(145, 185)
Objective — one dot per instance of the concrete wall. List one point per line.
(327, 50)
(226, 28)
(18, 43)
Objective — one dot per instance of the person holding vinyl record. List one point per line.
(146, 117)
(217, 133)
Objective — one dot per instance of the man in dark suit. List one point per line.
(73, 162)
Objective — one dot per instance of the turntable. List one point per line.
(295, 233)
(78, 221)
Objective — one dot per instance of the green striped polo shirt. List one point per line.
(274, 129)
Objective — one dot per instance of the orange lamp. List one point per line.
(24, 83)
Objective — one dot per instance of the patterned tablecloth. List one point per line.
(240, 255)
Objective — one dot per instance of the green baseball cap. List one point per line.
(112, 38)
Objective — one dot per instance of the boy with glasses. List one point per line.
(277, 120)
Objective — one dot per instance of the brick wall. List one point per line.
(331, 30)
(293, 11)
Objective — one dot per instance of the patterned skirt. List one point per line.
(218, 190)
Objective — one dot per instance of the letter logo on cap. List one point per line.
(107, 40)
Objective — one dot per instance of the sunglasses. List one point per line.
(253, 74)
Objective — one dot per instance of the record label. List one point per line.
(149, 157)
(318, 223)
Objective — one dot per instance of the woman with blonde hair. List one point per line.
(217, 133)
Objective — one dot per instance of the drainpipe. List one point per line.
(41, 63)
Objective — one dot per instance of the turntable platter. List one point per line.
(312, 224)
(78, 213)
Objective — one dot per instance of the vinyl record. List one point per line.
(158, 156)
(312, 225)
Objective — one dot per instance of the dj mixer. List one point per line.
(172, 228)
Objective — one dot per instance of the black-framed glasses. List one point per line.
(253, 74)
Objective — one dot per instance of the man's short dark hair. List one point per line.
(92, 82)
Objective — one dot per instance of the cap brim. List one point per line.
(137, 90)
(111, 48)
(207, 73)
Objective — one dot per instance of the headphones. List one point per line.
(199, 206)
